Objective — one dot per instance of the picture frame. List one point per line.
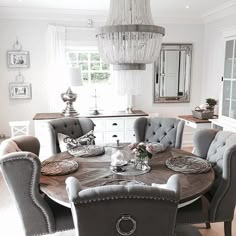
(20, 91)
(18, 59)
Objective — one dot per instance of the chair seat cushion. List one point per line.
(194, 213)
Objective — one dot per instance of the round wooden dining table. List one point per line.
(95, 171)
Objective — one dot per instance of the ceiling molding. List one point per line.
(58, 15)
(81, 16)
(220, 12)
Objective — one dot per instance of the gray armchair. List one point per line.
(73, 127)
(167, 131)
(20, 167)
(124, 210)
(218, 204)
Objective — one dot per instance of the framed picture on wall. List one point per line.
(18, 59)
(20, 91)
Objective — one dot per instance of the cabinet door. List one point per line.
(226, 97)
(129, 123)
(130, 136)
(99, 124)
(229, 49)
(228, 102)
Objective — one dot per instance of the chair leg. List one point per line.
(228, 228)
(208, 225)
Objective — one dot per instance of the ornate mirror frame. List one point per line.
(179, 77)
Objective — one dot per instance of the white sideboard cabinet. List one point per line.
(108, 128)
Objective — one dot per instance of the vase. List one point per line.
(141, 164)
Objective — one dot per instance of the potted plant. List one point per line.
(211, 102)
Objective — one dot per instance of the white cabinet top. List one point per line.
(50, 116)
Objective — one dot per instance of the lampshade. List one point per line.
(75, 77)
(130, 40)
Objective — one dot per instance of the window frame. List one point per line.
(77, 62)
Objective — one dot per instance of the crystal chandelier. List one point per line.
(130, 40)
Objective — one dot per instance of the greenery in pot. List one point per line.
(211, 103)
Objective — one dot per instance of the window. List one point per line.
(94, 70)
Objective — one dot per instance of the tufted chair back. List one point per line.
(219, 147)
(167, 131)
(20, 143)
(73, 127)
(21, 169)
(134, 210)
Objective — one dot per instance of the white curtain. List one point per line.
(56, 61)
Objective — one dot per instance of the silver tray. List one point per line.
(129, 170)
(188, 164)
(123, 182)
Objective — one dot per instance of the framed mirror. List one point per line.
(172, 74)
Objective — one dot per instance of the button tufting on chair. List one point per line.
(161, 130)
(218, 204)
(75, 127)
(21, 169)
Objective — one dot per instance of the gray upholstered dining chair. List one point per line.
(167, 131)
(20, 167)
(218, 204)
(73, 127)
(124, 210)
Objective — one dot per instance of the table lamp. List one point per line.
(75, 79)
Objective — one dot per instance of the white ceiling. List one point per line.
(197, 8)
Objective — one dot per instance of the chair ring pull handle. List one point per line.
(125, 218)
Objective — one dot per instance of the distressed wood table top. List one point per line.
(95, 171)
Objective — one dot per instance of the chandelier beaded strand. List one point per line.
(130, 40)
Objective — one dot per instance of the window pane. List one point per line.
(99, 77)
(226, 98)
(234, 61)
(95, 57)
(84, 66)
(105, 66)
(73, 56)
(95, 66)
(228, 58)
(83, 56)
(85, 77)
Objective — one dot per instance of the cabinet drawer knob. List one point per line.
(114, 136)
(114, 124)
(134, 135)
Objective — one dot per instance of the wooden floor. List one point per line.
(10, 224)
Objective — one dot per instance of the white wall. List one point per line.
(31, 34)
(183, 34)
